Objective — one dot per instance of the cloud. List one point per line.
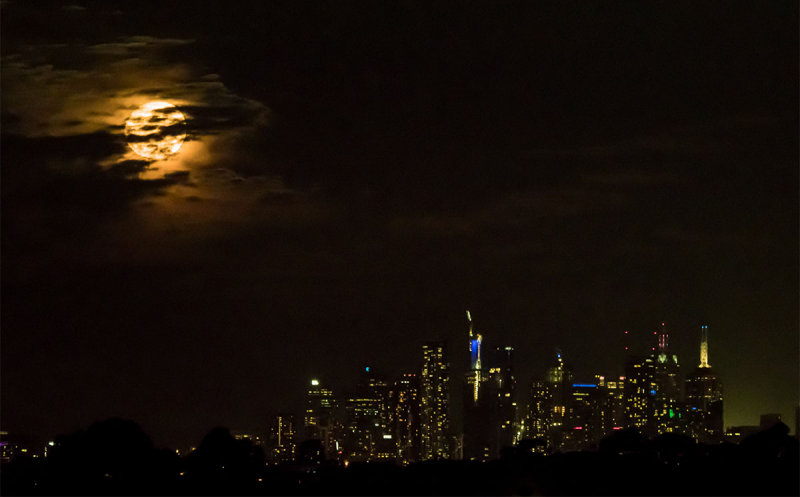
(130, 45)
(55, 191)
(84, 93)
(95, 87)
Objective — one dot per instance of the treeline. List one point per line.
(115, 457)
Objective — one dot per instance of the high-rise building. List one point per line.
(476, 375)
(282, 444)
(480, 401)
(540, 415)
(320, 418)
(704, 403)
(405, 417)
(614, 405)
(559, 379)
(667, 401)
(583, 424)
(506, 406)
(640, 393)
(366, 418)
(434, 382)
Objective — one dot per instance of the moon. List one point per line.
(156, 130)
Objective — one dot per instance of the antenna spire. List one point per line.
(704, 346)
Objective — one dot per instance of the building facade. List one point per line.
(434, 391)
(704, 402)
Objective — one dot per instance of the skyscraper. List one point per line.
(506, 404)
(668, 412)
(639, 393)
(435, 379)
(704, 397)
(367, 413)
(405, 417)
(559, 379)
(583, 423)
(282, 438)
(480, 401)
(540, 415)
(320, 418)
(476, 376)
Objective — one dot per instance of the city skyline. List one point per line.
(204, 207)
(335, 400)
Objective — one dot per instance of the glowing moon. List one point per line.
(156, 130)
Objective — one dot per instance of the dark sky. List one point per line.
(357, 174)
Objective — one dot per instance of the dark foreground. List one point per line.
(115, 458)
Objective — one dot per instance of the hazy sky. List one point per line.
(357, 174)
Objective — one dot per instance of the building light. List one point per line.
(314, 383)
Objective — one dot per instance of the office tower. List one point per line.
(405, 417)
(506, 406)
(366, 418)
(320, 418)
(668, 415)
(479, 402)
(640, 392)
(583, 424)
(614, 407)
(704, 405)
(540, 415)
(559, 379)
(378, 388)
(435, 379)
(282, 438)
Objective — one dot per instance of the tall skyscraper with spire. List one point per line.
(668, 415)
(479, 402)
(476, 376)
(704, 397)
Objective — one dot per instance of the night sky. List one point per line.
(358, 174)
